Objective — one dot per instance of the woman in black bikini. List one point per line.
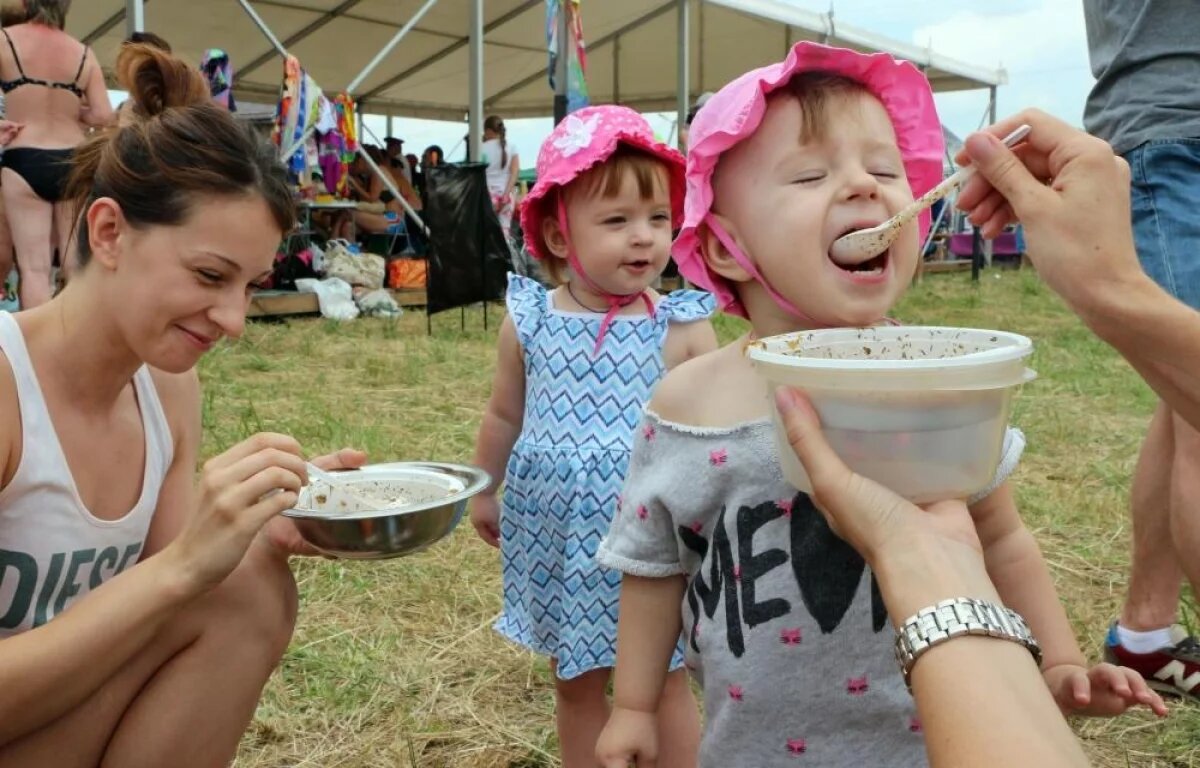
(53, 86)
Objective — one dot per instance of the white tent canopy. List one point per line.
(632, 47)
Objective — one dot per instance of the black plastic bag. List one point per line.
(290, 267)
(468, 256)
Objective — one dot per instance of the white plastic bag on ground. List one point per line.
(333, 295)
(378, 303)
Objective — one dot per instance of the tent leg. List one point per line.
(987, 247)
(560, 64)
(683, 71)
(475, 110)
(976, 254)
(616, 83)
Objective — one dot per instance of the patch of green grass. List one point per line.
(394, 662)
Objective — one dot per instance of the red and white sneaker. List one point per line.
(1173, 670)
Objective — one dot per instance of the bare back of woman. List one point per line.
(53, 87)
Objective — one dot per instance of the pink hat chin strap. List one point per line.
(616, 301)
(744, 262)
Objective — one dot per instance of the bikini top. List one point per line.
(24, 79)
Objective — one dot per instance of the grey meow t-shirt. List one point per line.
(783, 624)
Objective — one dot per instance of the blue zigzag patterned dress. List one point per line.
(568, 465)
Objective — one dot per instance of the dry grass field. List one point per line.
(394, 663)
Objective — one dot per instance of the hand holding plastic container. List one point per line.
(921, 410)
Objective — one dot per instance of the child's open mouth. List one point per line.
(874, 266)
(638, 265)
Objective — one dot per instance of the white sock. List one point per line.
(1144, 642)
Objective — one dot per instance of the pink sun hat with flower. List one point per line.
(584, 139)
(735, 112)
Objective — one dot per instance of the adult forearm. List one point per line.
(1158, 335)
(647, 631)
(1010, 718)
(48, 671)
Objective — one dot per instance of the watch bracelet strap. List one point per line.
(959, 617)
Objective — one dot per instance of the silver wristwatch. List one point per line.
(954, 618)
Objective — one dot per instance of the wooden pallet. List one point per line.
(950, 265)
(284, 303)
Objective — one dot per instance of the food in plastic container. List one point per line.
(919, 409)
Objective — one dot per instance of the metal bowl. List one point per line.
(435, 497)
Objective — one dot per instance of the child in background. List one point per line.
(575, 368)
(782, 622)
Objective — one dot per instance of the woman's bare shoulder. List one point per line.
(10, 423)
(179, 394)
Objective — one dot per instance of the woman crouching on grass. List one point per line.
(141, 615)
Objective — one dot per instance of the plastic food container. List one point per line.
(921, 410)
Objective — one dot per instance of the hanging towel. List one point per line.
(219, 71)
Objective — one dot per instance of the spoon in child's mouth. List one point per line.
(867, 243)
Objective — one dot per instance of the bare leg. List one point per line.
(64, 239)
(581, 710)
(678, 724)
(31, 219)
(1185, 501)
(1155, 575)
(6, 246)
(187, 699)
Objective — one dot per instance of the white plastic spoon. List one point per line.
(865, 244)
(335, 483)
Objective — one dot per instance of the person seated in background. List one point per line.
(432, 157)
(396, 158)
(367, 187)
(414, 170)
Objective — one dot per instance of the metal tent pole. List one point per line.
(383, 52)
(560, 64)
(681, 77)
(262, 25)
(475, 73)
(135, 17)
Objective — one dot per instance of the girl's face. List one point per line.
(178, 290)
(785, 198)
(623, 241)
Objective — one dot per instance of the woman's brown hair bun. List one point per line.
(158, 81)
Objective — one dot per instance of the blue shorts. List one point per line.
(1166, 214)
(397, 227)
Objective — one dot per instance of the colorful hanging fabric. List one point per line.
(577, 93)
(347, 126)
(296, 119)
(218, 70)
(553, 8)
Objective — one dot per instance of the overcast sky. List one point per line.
(1041, 43)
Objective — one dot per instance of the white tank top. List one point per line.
(53, 551)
